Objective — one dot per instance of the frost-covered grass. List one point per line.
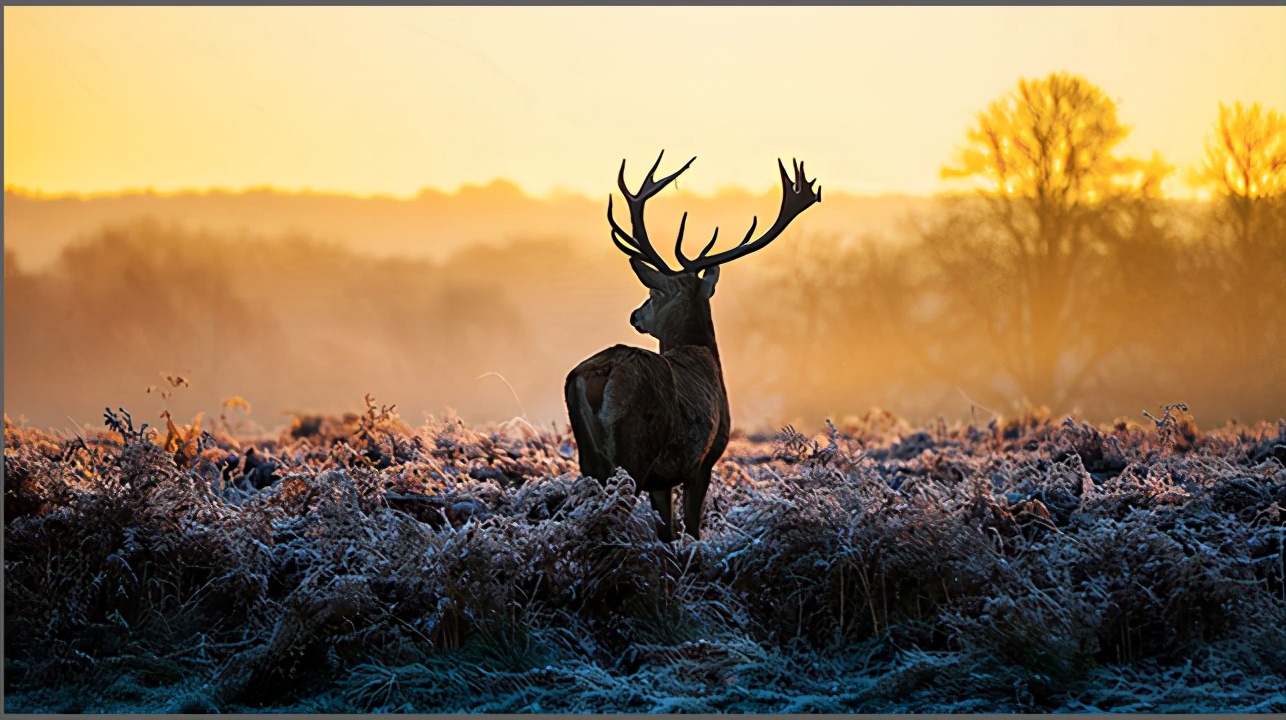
(357, 565)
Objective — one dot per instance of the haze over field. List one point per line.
(434, 225)
(410, 202)
(317, 300)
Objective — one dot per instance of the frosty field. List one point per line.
(355, 564)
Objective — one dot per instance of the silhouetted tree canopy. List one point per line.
(1021, 259)
(1246, 156)
(1051, 143)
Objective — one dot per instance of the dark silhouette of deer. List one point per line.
(663, 417)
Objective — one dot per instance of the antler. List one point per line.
(796, 196)
(638, 245)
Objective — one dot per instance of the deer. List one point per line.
(663, 416)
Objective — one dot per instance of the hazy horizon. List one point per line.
(431, 225)
(308, 303)
(502, 183)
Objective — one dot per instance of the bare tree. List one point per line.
(1244, 251)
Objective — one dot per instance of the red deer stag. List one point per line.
(663, 417)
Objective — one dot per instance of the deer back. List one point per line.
(669, 408)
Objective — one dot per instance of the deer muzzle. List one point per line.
(637, 321)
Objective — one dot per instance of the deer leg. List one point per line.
(589, 453)
(694, 497)
(636, 460)
(592, 462)
(663, 501)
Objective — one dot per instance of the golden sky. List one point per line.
(391, 100)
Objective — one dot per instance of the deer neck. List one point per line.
(697, 329)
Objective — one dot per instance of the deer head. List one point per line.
(678, 304)
(672, 299)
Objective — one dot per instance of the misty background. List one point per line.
(1064, 279)
(820, 324)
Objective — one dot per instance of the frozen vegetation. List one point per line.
(355, 564)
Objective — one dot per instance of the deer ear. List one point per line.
(708, 279)
(650, 277)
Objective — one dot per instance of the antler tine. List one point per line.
(636, 245)
(678, 248)
(655, 186)
(639, 245)
(651, 185)
(678, 241)
(620, 179)
(621, 238)
(651, 174)
(709, 245)
(797, 195)
(754, 223)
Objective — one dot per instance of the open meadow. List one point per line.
(355, 564)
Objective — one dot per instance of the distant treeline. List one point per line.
(431, 226)
(288, 323)
(1178, 313)
(1173, 311)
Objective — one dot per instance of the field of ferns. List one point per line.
(356, 564)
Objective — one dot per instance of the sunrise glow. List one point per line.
(392, 100)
